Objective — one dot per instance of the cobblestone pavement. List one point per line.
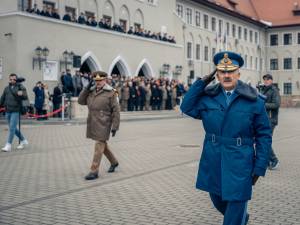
(154, 184)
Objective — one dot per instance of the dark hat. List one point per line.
(99, 75)
(228, 61)
(267, 77)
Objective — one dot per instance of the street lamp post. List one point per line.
(67, 59)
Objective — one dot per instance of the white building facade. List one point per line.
(200, 29)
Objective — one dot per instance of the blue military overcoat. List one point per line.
(237, 142)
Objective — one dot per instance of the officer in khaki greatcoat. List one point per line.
(103, 119)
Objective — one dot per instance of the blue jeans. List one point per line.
(13, 120)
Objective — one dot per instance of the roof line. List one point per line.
(254, 8)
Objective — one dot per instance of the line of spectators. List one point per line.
(104, 23)
(135, 93)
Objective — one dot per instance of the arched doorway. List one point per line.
(144, 69)
(85, 68)
(119, 67)
(89, 63)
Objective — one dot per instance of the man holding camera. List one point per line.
(11, 99)
(103, 118)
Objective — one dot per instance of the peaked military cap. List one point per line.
(99, 75)
(228, 61)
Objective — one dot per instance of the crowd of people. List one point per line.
(135, 93)
(104, 23)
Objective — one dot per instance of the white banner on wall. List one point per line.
(50, 70)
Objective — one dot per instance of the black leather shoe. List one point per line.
(91, 176)
(112, 168)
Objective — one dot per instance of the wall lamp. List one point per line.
(178, 70)
(67, 59)
(41, 55)
(165, 69)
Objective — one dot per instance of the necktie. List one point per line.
(228, 94)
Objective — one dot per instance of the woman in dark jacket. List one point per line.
(39, 98)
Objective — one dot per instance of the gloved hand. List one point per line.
(209, 78)
(113, 133)
(91, 84)
(254, 179)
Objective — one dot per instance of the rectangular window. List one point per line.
(206, 53)
(197, 52)
(298, 39)
(251, 62)
(298, 63)
(205, 21)
(220, 27)
(233, 30)
(273, 39)
(273, 64)
(287, 88)
(256, 63)
(213, 24)
(123, 24)
(189, 16)
(189, 50)
(287, 39)
(245, 34)
(227, 29)
(256, 37)
(23, 5)
(213, 52)
(246, 62)
(251, 35)
(108, 20)
(71, 10)
(198, 19)
(287, 63)
(49, 4)
(179, 10)
(240, 33)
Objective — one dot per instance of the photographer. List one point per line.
(11, 99)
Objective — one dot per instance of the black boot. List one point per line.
(112, 168)
(91, 176)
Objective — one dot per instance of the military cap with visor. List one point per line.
(228, 61)
(99, 75)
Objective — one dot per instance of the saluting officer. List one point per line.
(237, 140)
(103, 118)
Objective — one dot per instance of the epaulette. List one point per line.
(115, 91)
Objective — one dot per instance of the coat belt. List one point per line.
(228, 140)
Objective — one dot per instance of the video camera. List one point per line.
(20, 80)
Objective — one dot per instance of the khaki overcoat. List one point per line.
(103, 112)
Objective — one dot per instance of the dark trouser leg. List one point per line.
(234, 212)
(218, 203)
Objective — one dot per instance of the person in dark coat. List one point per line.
(67, 82)
(238, 137)
(55, 14)
(156, 97)
(272, 106)
(34, 10)
(67, 17)
(39, 98)
(57, 99)
(81, 19)
(132, 97)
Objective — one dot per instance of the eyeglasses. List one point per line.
(12, 79)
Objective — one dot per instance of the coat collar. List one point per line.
(242, 89)
(106, 87)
